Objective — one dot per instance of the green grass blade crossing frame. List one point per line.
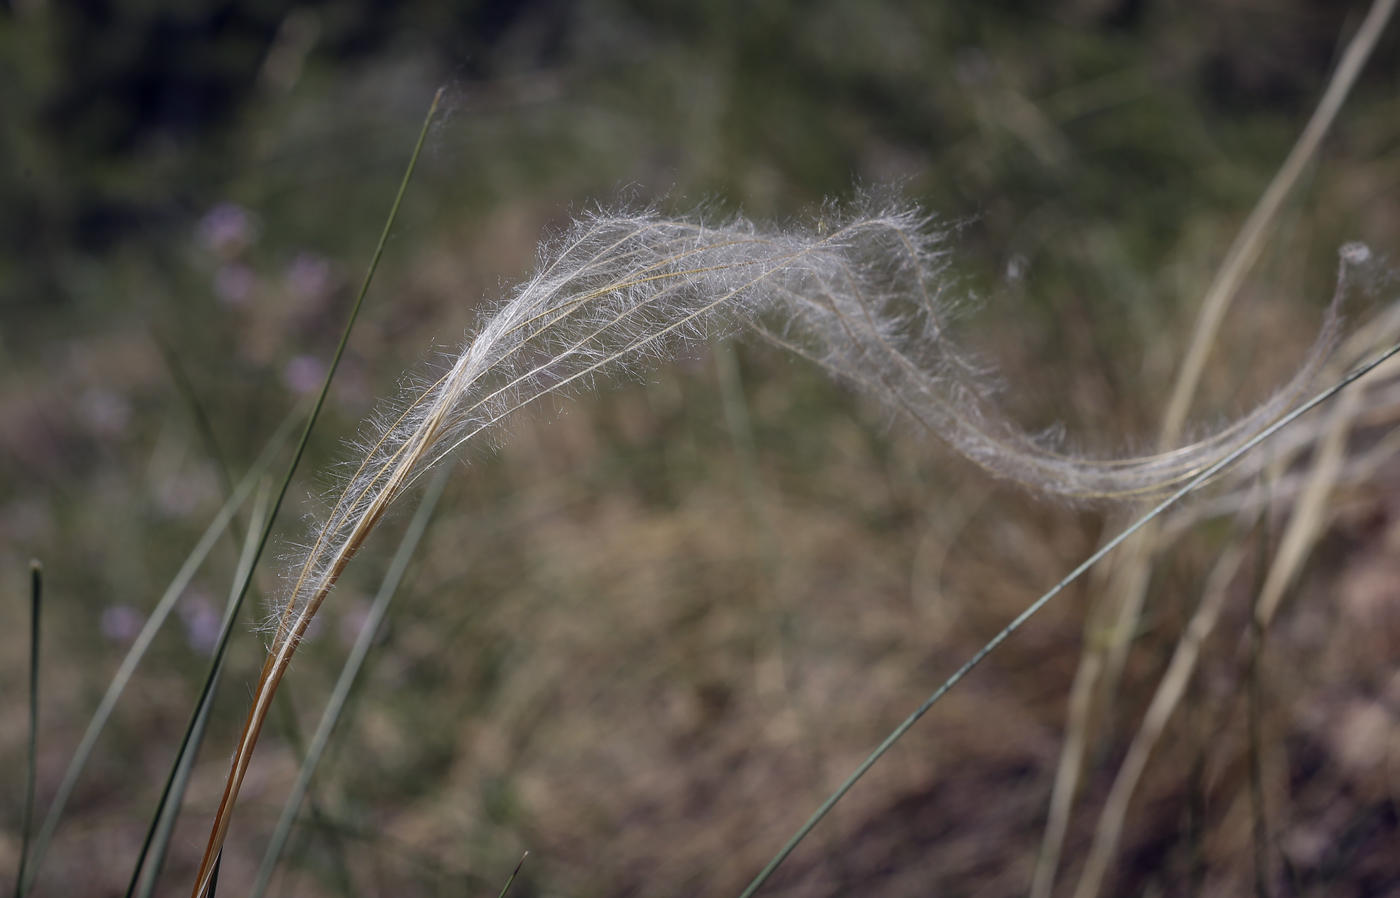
(1192, 485)
(242, 590)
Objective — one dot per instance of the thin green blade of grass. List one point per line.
(514, 873)
(198, 413)
(1190, 486)
(159, 837)
(143, 641)
(1306, 523)
(205, 428)
(212, 850)
(31, 766)
(1304, 527)
(167, 807)
(351, 669)
(157, 841)
(189, 742)
(318, 818)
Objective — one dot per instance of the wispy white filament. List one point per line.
(865, 295)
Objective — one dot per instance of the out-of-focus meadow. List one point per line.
(645, 638)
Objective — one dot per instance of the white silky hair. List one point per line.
(865, 294)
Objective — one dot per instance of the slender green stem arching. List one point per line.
(1190, 486)
(514, 873)
(143, 882)
(139, 646)
(208, 864)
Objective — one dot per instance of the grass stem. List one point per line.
(516, 872)
(1195, 483)
(1165, 701)
(258, 712)
(31, 767)
(1250, 242)
(143, 641)
(351, 669)
(1102, 668)
(158, 838)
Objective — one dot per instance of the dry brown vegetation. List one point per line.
(645, 638)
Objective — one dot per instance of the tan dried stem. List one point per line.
(1102, 663)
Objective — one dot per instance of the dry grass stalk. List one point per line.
(1164, 702)
(1305, 526)
(1310, 513)
(1128, 588)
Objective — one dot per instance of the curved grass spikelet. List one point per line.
(610, 295)
(867, 298)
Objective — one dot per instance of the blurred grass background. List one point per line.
(638, 641)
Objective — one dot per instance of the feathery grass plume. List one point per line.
(876, 315)
(611, 293)
(868, 298)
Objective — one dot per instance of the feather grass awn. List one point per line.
(878, 320)
(868, 300)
